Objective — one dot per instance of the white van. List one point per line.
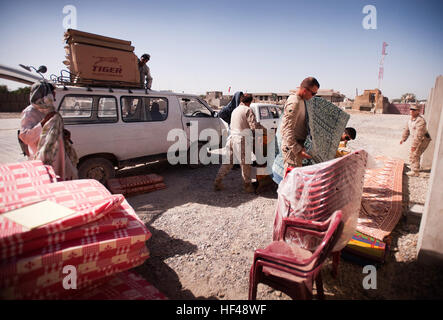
(114, 128)
(268, 115)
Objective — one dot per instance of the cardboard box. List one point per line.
(98, 63)
(95, 59)
(75, 36)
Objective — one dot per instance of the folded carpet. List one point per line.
(381, 205)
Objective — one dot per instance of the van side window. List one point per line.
(107, 107)
(132, 109)
(142, 109)
(76, 107)
(192, 107)
(156, 109)
(264, 113)
(81, 109)
(274, 112)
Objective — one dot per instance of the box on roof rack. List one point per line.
(96, 60)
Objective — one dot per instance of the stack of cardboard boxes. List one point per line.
(97, 60)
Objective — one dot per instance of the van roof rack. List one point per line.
(70, 79)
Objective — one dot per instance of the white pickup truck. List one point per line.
(113, 128)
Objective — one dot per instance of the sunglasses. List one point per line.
(312, 92)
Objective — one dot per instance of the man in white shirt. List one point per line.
(243, 121)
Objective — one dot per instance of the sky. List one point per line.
(250, 46)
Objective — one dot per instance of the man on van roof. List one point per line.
(145, 73)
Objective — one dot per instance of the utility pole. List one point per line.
(381, 69)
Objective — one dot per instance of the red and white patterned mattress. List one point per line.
(15, 176)
(105, 237)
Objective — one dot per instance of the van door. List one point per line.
(197, 116)
(275, 113)
(266, 117)
(146, 123)
(91, 119)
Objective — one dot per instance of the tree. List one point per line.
(4, 89)
(408, 97)
(23, 90)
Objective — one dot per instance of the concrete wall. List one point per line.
(401, 108)
(432, 116)
(430, 240)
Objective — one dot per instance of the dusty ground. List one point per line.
(203, 241)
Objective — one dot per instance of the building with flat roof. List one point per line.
(218, 100)
(280, 98)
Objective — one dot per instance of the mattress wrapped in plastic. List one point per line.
(315, 192)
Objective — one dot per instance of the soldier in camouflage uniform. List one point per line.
(416, 128)
(293, 124)
(238, 146)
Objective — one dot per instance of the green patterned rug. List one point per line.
(326, 125)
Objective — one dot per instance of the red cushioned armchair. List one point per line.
(291, 268)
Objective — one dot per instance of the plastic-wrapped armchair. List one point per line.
(316, 192)
(289, 267)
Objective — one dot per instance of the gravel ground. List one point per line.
(203, 241)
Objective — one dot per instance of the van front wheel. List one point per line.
(100, 169)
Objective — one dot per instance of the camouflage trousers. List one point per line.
(297, 162)
(290, 159)
(414, 157)
(236, 149)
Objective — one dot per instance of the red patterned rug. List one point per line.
(381, 205)
(134, 185)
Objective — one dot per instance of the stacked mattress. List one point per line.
(104, 236)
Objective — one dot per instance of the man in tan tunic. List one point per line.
(293, 124)
(243, 121)
(416, 128)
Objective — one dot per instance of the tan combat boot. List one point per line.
(413, 174)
